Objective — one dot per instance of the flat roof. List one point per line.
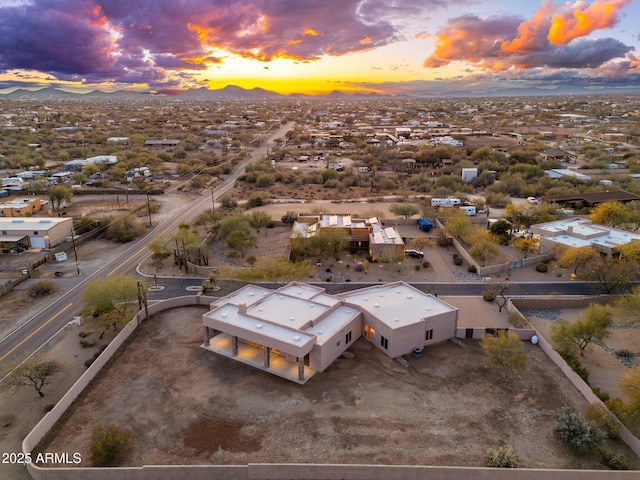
(397, 304)
(332, 323)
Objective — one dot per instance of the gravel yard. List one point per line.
(187, 405)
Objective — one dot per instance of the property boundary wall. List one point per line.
(306, 471)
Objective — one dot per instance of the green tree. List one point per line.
(241, 240)
(484, 246)
(630, 386)
(159, 252)
(578, 258)
(526, 244)
(458, 225)
(610, 214)
(592, 326)
(505, 351)
(111, 299)
(406, 210)
(59, 196)
(110, 445)
(35, 372)
(502, 230)
(259, 219)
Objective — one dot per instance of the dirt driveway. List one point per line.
(189, 406)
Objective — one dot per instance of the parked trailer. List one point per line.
(469, 209)
(445, 202)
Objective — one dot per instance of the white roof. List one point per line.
(397, 304)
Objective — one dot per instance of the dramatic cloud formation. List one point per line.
(109, 40)
(553, 37)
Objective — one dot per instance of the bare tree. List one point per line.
(35, 372)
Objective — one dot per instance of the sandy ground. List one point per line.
(20, 410)
(187, 405)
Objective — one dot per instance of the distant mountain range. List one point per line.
(232, 92)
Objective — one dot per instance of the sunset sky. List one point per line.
(316, 46)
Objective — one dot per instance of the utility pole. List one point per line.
(75, 251)
(149, 208)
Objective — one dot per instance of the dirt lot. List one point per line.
(187, 405)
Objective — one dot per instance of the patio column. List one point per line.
(206, 336)
(234, 346)
(267, 356)
(300, 368)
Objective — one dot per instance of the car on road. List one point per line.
(414, 254)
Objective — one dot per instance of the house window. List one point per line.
(338, 344)
(35, 232)
(348, 337)
(428, 335)
(384, 342)
(4, 232)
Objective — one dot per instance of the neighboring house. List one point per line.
(299, 329)
(366, 234)
(20, 207)
(34, 232)
(161, 143)
(558, 155)
(579, 232)
(591, 199)
(99, 160)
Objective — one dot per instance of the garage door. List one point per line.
(37, 242)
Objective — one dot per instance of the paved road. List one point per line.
(35, 332)
(173, 287)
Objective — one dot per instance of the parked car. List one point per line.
(533, 200)
(414, 254)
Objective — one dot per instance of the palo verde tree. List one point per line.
(458, 225)
(592, 326)
(35, 372)
(259, 219)
(159, 252)
(484, 246)
(578, 258)
(630, 386)
(505, 351)
(406, 210)
(59, 197)
(110, 299)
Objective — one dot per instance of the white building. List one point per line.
(34, 232)
(579, 232)
(299, 329)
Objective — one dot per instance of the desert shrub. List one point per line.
(501, 457)
(89, 362)
(426, 265)
(48, 407)
(472, 269)
(228, 202)
(42, 288)
(417, 267)
(614, 460)
(85, 224)
(289, 218)
(110, 445)
(576, 432)
(603, 396)
(358, 267)
(489, 296)
(86, 343)
(604, 419)
(575, 365)
(542, 267)
(625, 353)
(458, 260)
(122, 231)
(83, 333)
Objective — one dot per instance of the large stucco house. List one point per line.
(299, 329)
